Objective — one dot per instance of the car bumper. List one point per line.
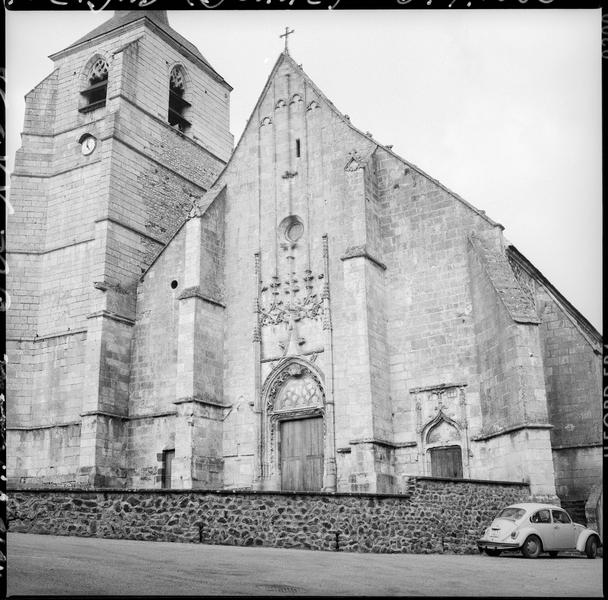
(490, 545)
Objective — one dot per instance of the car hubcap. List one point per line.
(532, 546)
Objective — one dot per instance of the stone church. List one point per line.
(304, 311)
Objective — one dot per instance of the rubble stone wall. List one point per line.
(435, 515)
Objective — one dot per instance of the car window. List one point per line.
(511, 513)
(559, 516)
(542, 516)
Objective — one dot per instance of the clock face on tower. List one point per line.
(88, 145)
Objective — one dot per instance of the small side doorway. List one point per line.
(446, 462)
(302, 454)
(168, 456)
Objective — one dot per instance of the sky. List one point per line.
(503, 107)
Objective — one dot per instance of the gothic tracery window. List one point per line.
(97, 86)
(298, 392)
(177, 104)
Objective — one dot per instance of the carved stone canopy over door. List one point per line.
(443, 429)
(444, 449)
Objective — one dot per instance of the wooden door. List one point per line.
(168, 456)
(302, 454)
(446, 462)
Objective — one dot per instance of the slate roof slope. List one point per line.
(518, 303)
(158, 17)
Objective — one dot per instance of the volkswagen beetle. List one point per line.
(535, 528)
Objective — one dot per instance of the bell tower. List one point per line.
(132, 123)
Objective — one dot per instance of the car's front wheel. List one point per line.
(532, 547)
(493, 552)
(591, 547)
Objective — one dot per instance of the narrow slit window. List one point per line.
(178, 106)
(96, 91)
(298, 148)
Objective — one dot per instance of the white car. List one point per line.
(534, 528)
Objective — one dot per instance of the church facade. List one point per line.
(308, 311)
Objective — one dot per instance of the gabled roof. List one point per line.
(218, 185)
(159, 18)
(286, 57)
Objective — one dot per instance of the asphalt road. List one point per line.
(41, 564)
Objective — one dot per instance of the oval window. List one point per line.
(291, 228)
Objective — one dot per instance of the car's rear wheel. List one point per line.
(553, 554)
(493, 552)
(591, 547)
(532, 547)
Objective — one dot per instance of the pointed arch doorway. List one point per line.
(442, 443)
(296, 446)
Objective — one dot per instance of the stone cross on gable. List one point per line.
(286, 35)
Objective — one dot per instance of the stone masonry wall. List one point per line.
(571, 353)
(433, 516)
(84, 227)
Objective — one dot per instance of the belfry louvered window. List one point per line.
(95, 93)
(177, 104)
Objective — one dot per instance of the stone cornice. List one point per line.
(56, 173)
(201, 401)
(113, 316)
(195, 292)
(440, 387)
(577, 446)
(37, 427)
(92, 413)
(314, 351)
(381, 442)
(204, 492)
(47, 251)
(462, 480)
(156, 415)
(487, 436)
(361, 251)
(50, 336)
(131, 229)
(103, 413)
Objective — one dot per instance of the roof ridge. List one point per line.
(157, 18)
